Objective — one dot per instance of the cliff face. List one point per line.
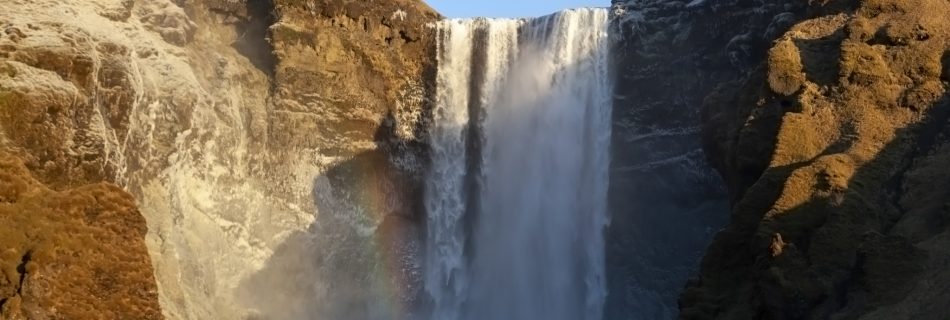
(826, 121)
(72, 254)
(666, 200)
(275, 150)
(833, 146)
(350, 85)
(349, 66)
(244, 129)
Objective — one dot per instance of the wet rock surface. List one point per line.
(232, 123)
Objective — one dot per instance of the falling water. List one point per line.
(517, 191)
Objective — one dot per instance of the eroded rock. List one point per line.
(842, 185)
(220, 125)
(72, 254)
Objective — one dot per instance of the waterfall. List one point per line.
(517, 190)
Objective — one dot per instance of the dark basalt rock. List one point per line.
(666, 199)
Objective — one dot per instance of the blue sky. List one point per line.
(508, 8)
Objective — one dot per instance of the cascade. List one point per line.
(517, 190)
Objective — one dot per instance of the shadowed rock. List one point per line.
(840, 224)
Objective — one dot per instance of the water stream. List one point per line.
(516, 195)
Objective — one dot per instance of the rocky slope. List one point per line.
(242, 128)
(833, 146)
(72, 254)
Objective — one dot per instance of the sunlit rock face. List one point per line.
(77, 253)
(823, 120)
(239, 127)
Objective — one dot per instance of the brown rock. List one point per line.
(120, 11)
(344, 66)
(844, 186)
(75, 254)
(247, 100)
(57, 97)
(169, 20)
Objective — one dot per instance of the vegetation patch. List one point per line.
(785, 68)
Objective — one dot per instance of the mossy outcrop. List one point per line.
(833, 216)
(73, 254)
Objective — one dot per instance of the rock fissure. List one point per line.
(22, 268)
(254, 40)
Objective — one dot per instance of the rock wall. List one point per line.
(242, 129)
(832, 145)
(351, 85)
(72, 254)
(823, 119)
(342, 64)
(275, 150)
(666, 199)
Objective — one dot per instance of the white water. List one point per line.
(516, 196)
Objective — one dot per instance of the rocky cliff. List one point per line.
(78, 253)
(832, 142)
(827, 122)
(275, 150)
(666, 199)
(248, 132)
